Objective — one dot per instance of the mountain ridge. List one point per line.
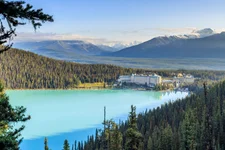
(191, 45)
(61, 47)
(174, 47)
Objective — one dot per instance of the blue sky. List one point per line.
(129, 20)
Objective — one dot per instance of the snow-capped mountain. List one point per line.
(121, 45)
(203, 33)
(195, 34)
(200, 44)
(157, 46)
(161, 40)
(108, 48)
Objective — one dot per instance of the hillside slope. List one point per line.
(20, 69)
(25, 70)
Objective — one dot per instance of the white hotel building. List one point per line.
(149, 80)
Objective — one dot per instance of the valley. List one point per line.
(201, 50)
(48, 73)
(112, 75)
(150, 63)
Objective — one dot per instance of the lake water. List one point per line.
(75, 114)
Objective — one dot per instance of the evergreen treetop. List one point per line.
(10, 138)
(15, 13)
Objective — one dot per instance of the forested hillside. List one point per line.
(196, 122)
(20, 69)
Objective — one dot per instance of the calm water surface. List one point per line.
(75, 114)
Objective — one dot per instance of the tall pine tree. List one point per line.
(208, 141)
(46, 144)
(10, 137)
(66, 145)
(133, 136)
(116, 141)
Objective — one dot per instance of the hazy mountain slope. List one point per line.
(174, 47)
(61, 48)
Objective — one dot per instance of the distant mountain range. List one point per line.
(64, 48)
(199, 44)
(207, 46)
(77, 47)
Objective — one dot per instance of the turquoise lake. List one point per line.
(75, 114)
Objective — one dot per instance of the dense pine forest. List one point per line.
(25, 70)
(21, 69)
(194, 123)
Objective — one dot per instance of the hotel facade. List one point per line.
(149, 80)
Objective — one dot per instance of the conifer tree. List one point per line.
(133, 136)
(208, 142)
(10, 138)
(188, 124)
(66, 145)
(15, 13)
(150, 144)
(75, 145)
(116, 142)
(166, 138)
(97, 140)
(189, 132)
(156, 138)
(79, 146)
(46, 144)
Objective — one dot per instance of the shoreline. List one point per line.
(60, 89)
(80, 89)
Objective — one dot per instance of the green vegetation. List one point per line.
(196, 122)
(14, 14)
(66, 145)
(26, 70)
(20, 69)
(10, 138)
(46, 144)
(133, 136)
(160, 87)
